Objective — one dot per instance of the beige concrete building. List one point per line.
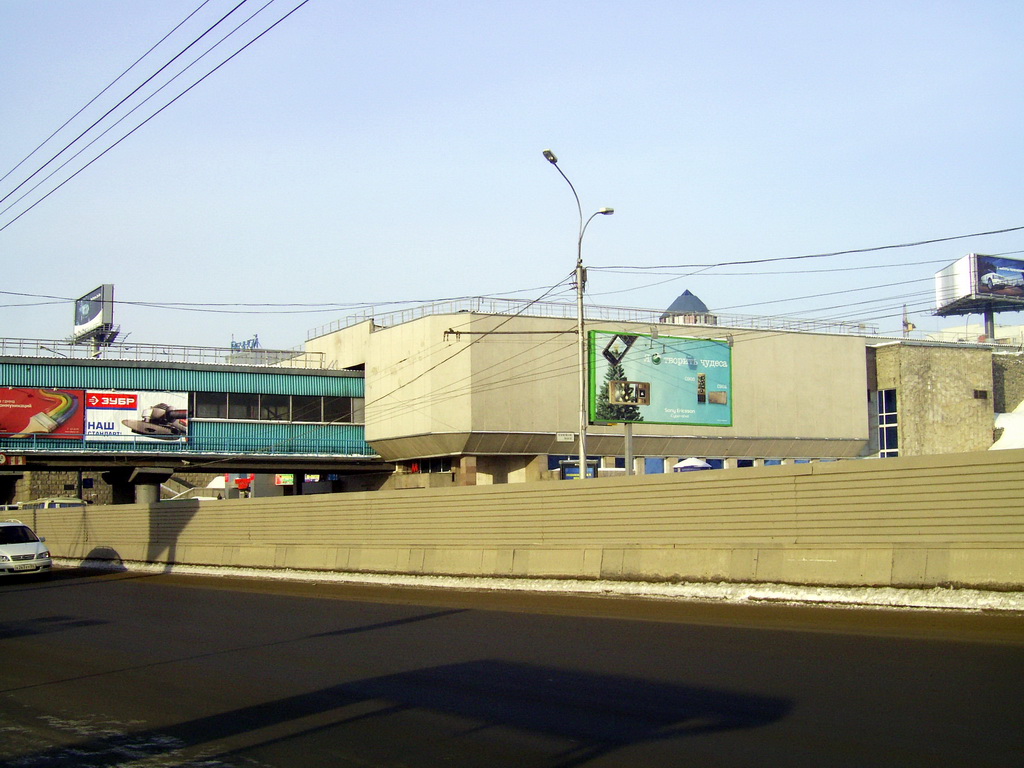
(477, 393)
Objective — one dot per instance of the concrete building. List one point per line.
(486, 392)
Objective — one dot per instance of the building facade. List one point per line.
(469, 395)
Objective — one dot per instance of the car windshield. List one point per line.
(16, 534)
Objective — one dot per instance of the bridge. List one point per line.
(139, 413)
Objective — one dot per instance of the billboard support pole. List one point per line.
(629, 447)
(990, 323)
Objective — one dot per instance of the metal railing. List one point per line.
(490, 306)
(219, 446)
(164, 353)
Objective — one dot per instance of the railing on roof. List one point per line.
(164, 353)
(489, 306)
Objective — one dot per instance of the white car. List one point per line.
(21, 551)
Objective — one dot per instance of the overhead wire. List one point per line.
(820, 255)
(124, 99)
(110, 85)
(158, 111)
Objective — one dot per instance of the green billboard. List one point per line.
(659, 379)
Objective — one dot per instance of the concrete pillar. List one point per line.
(147, 493)
(467, 470)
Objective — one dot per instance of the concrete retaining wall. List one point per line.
(921, 521)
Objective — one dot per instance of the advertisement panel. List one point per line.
(1000, 277)
(117, 415)
(26, 411)
(663, 380)
(94, 311)
(979, 283)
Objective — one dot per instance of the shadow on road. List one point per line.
(578, 716)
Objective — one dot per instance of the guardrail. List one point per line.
(489, 306)
(192, 445)
(167, 353)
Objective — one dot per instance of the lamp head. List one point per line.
(607, 211)
(550, 156)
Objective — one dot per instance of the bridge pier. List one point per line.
(138, 485)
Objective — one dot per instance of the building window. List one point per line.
(343, 410)
(428, 466)
(275, 408)
(307, 408)
(888, 429)
(243, 406)
(210, 405)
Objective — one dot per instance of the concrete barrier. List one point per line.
(954, 519)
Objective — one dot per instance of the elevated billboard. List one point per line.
(94, 312)
(663, 380)
(979, 283)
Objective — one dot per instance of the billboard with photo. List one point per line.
(120, 415)
(26, 411)
(979, 283)
(659, 380)
(1000, 277)
(94, 311)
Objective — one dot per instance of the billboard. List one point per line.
(94, 311)
(26, 411)
(659, 380)
(120, 415)
(980, 283)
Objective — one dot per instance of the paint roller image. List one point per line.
(160, 421)
(61, 407)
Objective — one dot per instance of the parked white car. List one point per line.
(21, 551)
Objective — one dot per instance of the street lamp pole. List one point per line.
(581, 342)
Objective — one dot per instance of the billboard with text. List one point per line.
(117, 415)
(662, 380)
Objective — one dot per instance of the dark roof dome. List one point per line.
(687, 304)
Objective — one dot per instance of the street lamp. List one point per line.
(581, 280)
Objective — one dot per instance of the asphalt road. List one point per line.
(151, 671)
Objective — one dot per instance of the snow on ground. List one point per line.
(938, 598)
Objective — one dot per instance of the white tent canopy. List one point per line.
(690, 464)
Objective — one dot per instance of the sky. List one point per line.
(384, 154)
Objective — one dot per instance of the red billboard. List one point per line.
(27, 411)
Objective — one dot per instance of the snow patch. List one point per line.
(938, 598)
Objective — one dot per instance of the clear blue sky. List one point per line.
(391, 151)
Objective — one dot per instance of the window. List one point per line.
(429, 466)
(243, 406)
(888, 430)
(210, 405)
(343, 410)
(275, 408)
(305, 408)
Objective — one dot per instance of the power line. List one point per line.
(165, 106)
(98, 95)
(119, 103)
(817, 255)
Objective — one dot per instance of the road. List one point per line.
(158, 670)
